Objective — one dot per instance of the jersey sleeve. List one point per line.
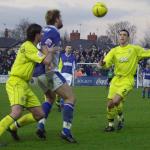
(108, 59)
(34, 54)
(142, 53)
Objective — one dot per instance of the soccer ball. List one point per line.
(99, 9)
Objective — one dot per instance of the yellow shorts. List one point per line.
(121, 86)
(19, 92)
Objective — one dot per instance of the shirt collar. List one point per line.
(67, 54)
(54, 27)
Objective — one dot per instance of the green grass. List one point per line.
(89, 122)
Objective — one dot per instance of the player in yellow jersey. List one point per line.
(125, 58)
(19, 92)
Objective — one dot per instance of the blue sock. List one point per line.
(67, 117)
(46, 108)
(143, 93)
(41, 125)
(61, 102)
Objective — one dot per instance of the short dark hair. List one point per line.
(32, 30)
(124, 30)
(51, 16)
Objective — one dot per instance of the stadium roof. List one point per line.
(8, 42)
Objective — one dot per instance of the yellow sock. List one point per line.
(24, 120)
(5, 123)
(111, 113)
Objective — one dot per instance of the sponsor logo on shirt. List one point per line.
(48, 42)
(67, 64)
(123, 59)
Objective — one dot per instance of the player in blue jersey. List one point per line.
(146, 81)
(56, 81)
(66, 67)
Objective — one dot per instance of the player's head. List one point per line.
(53, 17)
(123, 37)
(68, 49)
(34, 33)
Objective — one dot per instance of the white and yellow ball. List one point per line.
(99, 9)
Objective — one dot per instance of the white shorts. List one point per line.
(49, 81)
(146, 83)
(68, 78)
(42, 82)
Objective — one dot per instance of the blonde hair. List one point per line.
(51, 16)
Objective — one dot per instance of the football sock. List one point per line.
(61, 102)
(46, 108)
(67, 117)
(111, 113)
(5, 123)
(24, 120)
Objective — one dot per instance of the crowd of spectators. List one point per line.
(7, 58)
(88, 55)
(92, 55)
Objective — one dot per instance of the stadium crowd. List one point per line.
(85, 56)
(7, 58)
(88, 56)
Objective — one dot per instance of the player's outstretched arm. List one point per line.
(142, 53)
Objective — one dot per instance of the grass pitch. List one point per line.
(88, 124)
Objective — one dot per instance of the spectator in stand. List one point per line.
(6, 61)
(78, 73)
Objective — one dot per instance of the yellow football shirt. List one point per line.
(28, 55)
(125, 59)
